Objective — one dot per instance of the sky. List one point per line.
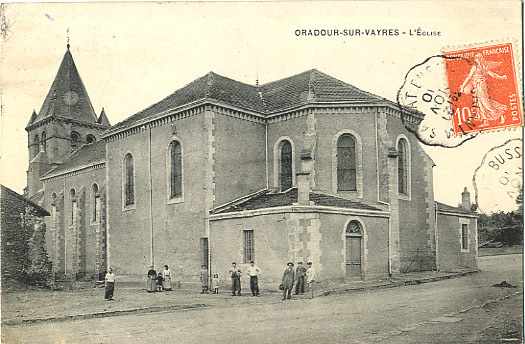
(131, 55)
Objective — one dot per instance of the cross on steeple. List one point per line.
(67, 39)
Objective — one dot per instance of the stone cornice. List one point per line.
(200, 106)
(74, 172)
(457, 214)
(64, 119)
(299, 209)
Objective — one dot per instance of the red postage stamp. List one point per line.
(483, 88)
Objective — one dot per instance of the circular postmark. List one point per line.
(498, 179)
(426, 103)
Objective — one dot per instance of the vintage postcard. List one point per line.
(258, 172)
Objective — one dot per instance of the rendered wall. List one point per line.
(295, 237)
(451, 257)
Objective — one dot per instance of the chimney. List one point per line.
(303, 188)
(465, 199)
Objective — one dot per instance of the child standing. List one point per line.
(204, 279)
(160, 279)
(215, 284)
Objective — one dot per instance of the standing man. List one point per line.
(235, 274)
(311, 276)
(300, 274)
(254, 272)
(110, 284)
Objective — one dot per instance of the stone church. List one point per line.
(305, 168)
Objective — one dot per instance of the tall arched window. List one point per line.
(285, 164)
(90, 138)
(403, 166)
(94, 202)
(75, 138)
(36, 145)
(73, 203)
(43, 140)
(129, 181)
(175, 172)
(346, 163)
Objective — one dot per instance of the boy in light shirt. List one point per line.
(311, 275)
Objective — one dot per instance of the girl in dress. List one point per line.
(215, 284)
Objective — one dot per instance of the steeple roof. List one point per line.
(67, 97)
(103, 119)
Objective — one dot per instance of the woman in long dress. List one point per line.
(288, 279)
(166, 285)
(476, 84)
(152, 280)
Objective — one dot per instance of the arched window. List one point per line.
(354, 228)
(73, 202)
(43, 141)
(285, 165)
(75, 138)
(90, 138)
(129, 181)
(346, 163)
(403, 166)
(94, 202)
(175, 171)
(36, 145)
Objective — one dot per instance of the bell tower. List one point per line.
(65, 122)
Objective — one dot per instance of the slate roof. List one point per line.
(67, 79)
(449, 208)
(308, 87)
(266, 199)
(7, 192)
(86, 155)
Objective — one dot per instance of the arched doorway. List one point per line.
(354, 257)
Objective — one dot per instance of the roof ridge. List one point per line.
(289, 77)
(319, 73)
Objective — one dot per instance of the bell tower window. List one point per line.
(75, 138)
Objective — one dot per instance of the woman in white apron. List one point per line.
(166, 285)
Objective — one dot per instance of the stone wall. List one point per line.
(24, 257)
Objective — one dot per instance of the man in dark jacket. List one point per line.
(300, 274)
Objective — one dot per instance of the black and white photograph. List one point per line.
(261, 172)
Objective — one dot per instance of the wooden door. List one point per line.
(353, 257)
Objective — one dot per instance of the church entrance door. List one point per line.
(353, 257)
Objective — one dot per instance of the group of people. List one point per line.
(159, 281)
(299, 277)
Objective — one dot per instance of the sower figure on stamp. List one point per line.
(288, 279)
(109, 279)
(300, 274)
(235, 274)
(311, 276)
(254, 272)
(204, 279)
(476, 83)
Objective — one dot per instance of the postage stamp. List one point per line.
(484, 78)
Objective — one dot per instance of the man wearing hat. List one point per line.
(288, 279)
(300, 274)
